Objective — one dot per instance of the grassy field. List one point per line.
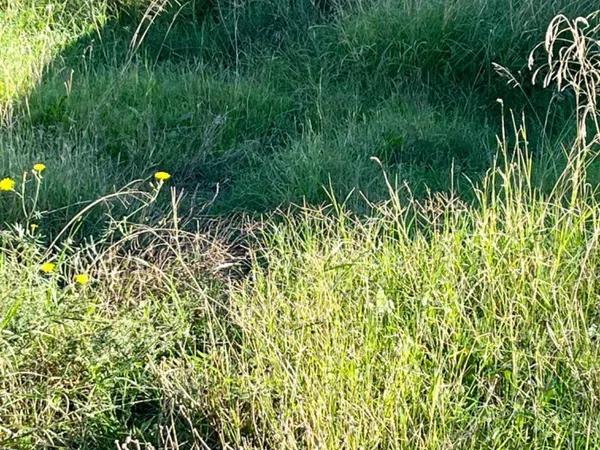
(272, 224)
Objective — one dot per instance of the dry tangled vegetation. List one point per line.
(430, 288)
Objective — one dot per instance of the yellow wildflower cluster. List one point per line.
(50, 267)
(8, 184)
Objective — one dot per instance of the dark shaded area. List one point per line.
(267, 102)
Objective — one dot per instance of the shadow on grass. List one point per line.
(263, 106)
(264, 116)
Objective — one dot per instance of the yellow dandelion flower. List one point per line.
(81, 278)
(7, 184)
(162, 176)
(48, 267)
(39, 167)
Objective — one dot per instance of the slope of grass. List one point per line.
(224, 95)
(425, 325)
(412, 282)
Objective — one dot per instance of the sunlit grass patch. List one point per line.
(84, 324)
(31, 34)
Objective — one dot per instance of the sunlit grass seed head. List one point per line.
(162, 176)
(48, 267)
(39, 168)
(7, 184)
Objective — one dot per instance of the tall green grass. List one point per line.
(425, 325)
(458, 318)
(442, 327)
